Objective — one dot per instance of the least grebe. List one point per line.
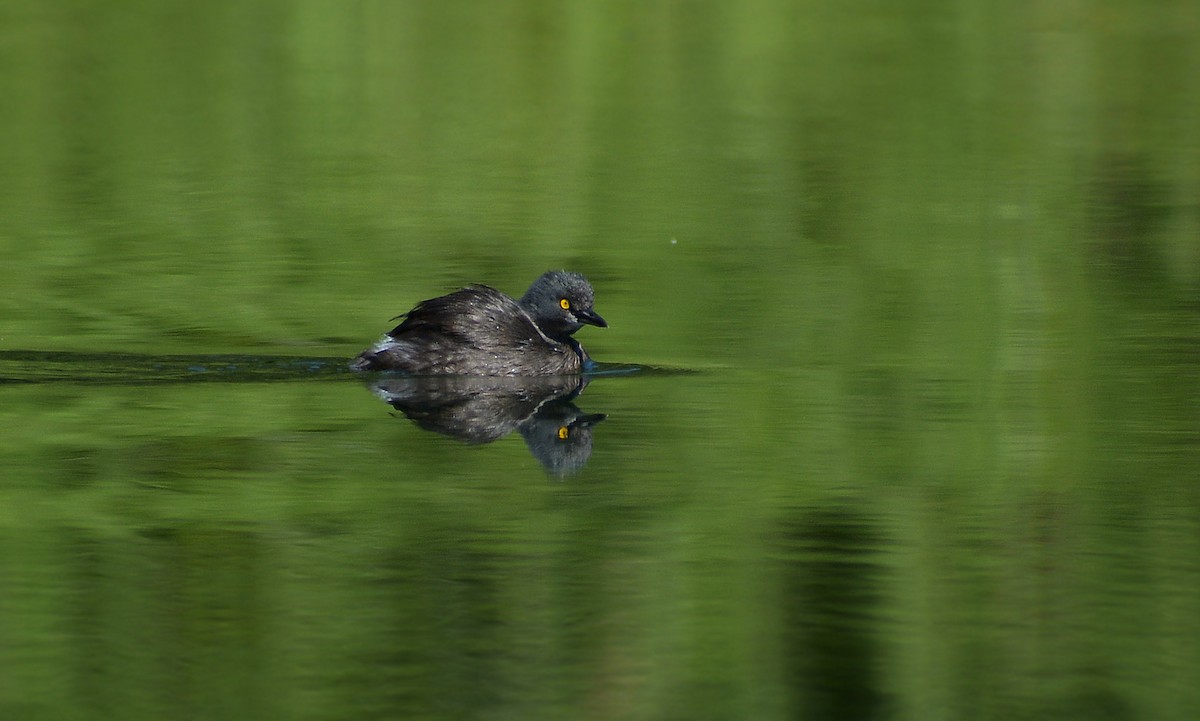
(480, 331)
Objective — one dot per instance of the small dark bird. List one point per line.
(480, 331)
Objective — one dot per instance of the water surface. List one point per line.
(932, 271)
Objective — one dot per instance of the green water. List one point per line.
(920, 282)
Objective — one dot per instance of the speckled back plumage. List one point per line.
(480, 331)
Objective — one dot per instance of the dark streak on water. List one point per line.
(26, 366)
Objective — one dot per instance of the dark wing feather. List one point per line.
(476, 330)
(479, 316)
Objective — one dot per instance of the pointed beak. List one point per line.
(591, 318)
(587, 421)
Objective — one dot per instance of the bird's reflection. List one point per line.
(479, 409)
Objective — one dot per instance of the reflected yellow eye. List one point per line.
(566, 304)
(563, 431)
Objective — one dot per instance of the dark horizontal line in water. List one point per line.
(25, 366)
(28, 366)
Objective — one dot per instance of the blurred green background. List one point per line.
(938, 265)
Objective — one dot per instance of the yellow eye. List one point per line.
(565, 304)
(563, 432)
